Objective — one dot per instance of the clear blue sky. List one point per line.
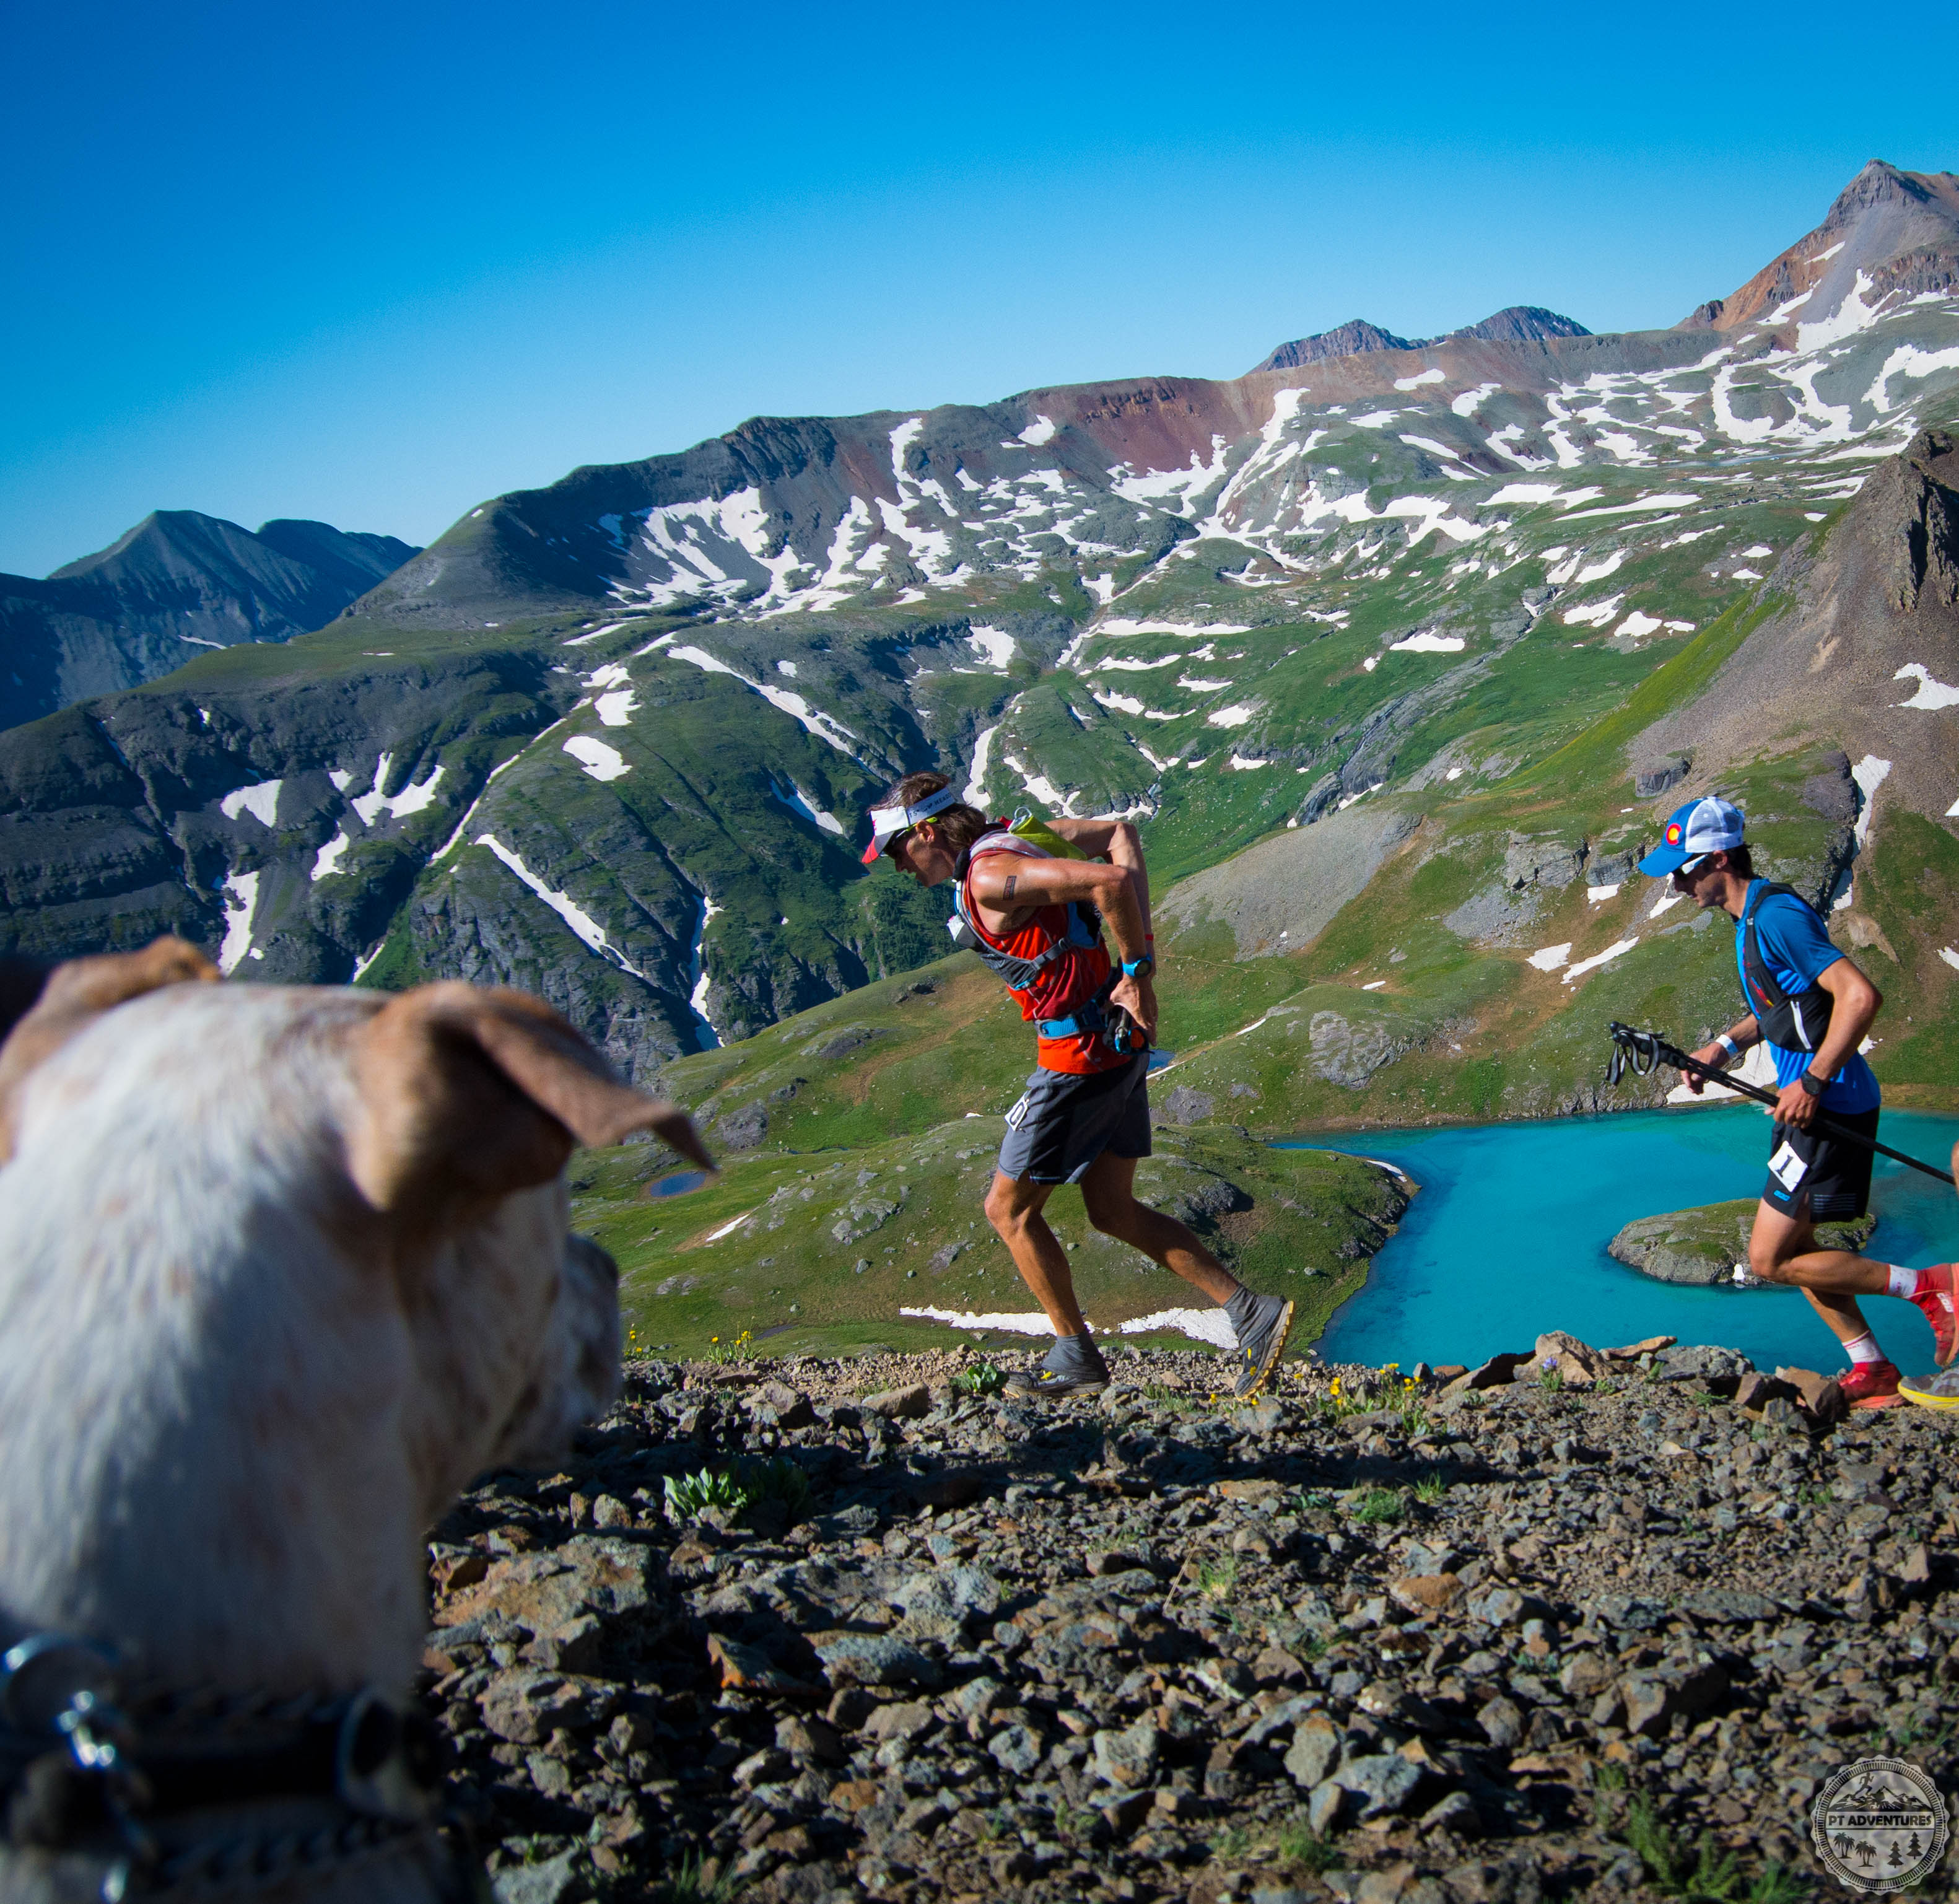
(373, 263)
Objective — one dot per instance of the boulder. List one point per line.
(1495, 1373)
(1384, 1782)
(900, 1404)
(1577, 1363)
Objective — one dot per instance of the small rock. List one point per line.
(526, 1706)
(900, 1404)
(1384, 1782)
(785, 1407)
(575, 1647)
(874, 1659)
(1494, 1373)
(1427, 1592)
(1128, 1758)
(1325, 1806)
(765, 1767)
(1502, 1721)
(1015, 1749)
(1587, 1674)
(1454, 1813)
(905, 1719)
(561, 1880)
(1315, 1747)
(1820, 1396)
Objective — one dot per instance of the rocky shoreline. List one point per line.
(1448, 1637)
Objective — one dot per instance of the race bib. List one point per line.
(1787, 1168)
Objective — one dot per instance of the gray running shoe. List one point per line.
(1261, 1342)
(1073, 1367)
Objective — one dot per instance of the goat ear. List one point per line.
(74, 994)
(482, 1092)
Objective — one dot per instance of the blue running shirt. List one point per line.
(1797, 951)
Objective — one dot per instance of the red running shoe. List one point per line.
(1871, 1384)
(1935, 1298)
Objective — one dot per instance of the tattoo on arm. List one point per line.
(1010, 885)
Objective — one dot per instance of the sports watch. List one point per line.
(1814, 1085)
(1143, 968)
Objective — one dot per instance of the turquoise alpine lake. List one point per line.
(1507, 1238)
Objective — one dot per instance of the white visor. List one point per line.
(886, 823)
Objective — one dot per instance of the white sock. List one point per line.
(1864, 1350)
(1904, 1282)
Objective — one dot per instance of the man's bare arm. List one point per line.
(1006, 885)
(1115, 841)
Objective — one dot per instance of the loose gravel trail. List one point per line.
(1479, 1646)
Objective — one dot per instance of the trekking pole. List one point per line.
(1641, 1051)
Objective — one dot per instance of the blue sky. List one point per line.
(373, 264)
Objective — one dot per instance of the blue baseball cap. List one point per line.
(1693, 832)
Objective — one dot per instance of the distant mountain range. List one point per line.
(1375, 643)
(1517, 324)
(176, 583)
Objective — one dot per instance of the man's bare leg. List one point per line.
(1015, 1209)
(1261, 1323)
(1108, 1190)
(1782, 1249)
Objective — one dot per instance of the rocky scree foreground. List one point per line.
(1598, 1633)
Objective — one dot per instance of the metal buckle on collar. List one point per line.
(387, 1759)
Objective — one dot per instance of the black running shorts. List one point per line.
(1064, 1122)
(1816, 1178)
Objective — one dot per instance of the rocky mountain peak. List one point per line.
(178, 582)
(1515, 324)
(1348, 340)
(1522, 324)
(1888, 230)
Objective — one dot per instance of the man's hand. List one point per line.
(1711, 1055)
(1795, 1105)
(1138, 997)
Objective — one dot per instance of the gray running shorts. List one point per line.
(1064, 1122)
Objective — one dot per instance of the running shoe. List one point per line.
(1871, 1384)
(1073, 1367)
(1261, 1344)
(1940, 1392)
(1935, 1300)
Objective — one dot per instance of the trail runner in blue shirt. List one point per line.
(1813, 1007)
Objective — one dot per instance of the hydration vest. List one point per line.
(1081, 1010)
(1796, 1021)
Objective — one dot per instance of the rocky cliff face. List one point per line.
(176, 583)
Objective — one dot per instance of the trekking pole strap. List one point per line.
(1641, 1051)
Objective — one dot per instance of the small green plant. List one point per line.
(1713, 1876)
(692, 1495)
(736, 1487)
(982, 1378)
(740, 1348)
(1430, 1489)
(1216, 1578)
(1610, 1777)
(1376, 1506)
(1707, 1398)
(686, 1883)
(1232, 1842)
(1314, 1645)
(779, 1480)
(1310, 1501)
(1813, 1496)
(1299, 1843)
(1549, 1379)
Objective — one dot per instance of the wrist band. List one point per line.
(1728, 1045)
(1814, 1086)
